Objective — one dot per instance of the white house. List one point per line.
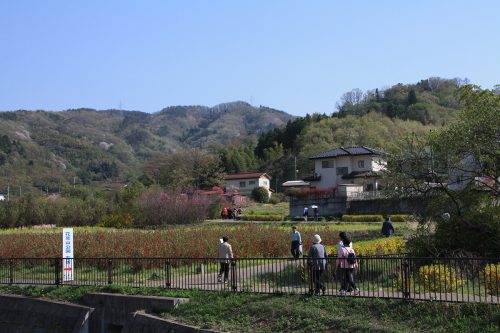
(348, 165)
(246, 182)
(2, 197)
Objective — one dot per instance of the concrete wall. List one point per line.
(114, 311)
(21, 314)
(105, 313)
(340, 205)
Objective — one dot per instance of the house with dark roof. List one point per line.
(246, 182)
(348, 168)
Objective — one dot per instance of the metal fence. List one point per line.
(438, 279)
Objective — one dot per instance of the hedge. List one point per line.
(375, 218)
(362, 218)
(261, 217)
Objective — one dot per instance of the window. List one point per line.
(265, 182)
(326, 164)
(242, 184)
(251, 182)
(361, 164)
(342, 171)
(369, 187)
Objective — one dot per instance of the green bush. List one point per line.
(262, 217)
(260, 194)
(362, 218)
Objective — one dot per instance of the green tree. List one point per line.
(458, 169)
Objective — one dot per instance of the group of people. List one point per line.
(305, 213)
(346, 261)
(231, 213)
(318, 261)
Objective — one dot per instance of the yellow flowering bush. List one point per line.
(491, 275)
(439, 278)
(387, 245)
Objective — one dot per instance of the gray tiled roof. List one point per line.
(347, 151)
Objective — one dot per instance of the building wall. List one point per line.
(249, 186)
(329, 176)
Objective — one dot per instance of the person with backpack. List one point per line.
(296, 243)
(317, 264)
(347, 263)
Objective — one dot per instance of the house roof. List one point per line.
(292, 183)
(247, 175)
(347, 151)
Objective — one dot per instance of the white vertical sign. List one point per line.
(68, 255)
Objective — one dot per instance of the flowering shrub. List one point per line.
(362, 218)
(439, 278)
(388, 245)
(160, 208)
(491, 275)
(311, 193)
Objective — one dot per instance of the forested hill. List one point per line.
(430, 101)
(380, 118)
(39, 147)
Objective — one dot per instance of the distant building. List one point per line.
(2, 197)
(359, 166)
(246, 182)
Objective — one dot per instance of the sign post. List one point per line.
(68, 255)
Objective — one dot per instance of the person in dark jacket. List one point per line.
(387, 227)
(318, 264)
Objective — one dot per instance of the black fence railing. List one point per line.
(439, 279)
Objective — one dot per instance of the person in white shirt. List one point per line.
(225, 256)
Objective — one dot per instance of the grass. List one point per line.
(270, 313)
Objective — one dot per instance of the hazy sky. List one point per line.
(296, 56)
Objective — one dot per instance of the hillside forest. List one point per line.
(43, 151)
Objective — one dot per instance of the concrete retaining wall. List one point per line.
(21, 314)
(113, 312)
(340, 205)
(104, 313)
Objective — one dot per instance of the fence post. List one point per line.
(406, 278)
(234, 285)
(57, 271)
(110, 278)
(11, 271)
(168, 271)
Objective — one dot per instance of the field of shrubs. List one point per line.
(247, 239)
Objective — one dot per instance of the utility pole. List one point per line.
(295, 167)
(20, 191)
(8, 192)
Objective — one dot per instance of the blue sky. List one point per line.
(296, 56)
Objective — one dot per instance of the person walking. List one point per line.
(296, 245)
(317, 264)
(306, 213)
(347, 263)
(225, 257)
(387, 227)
